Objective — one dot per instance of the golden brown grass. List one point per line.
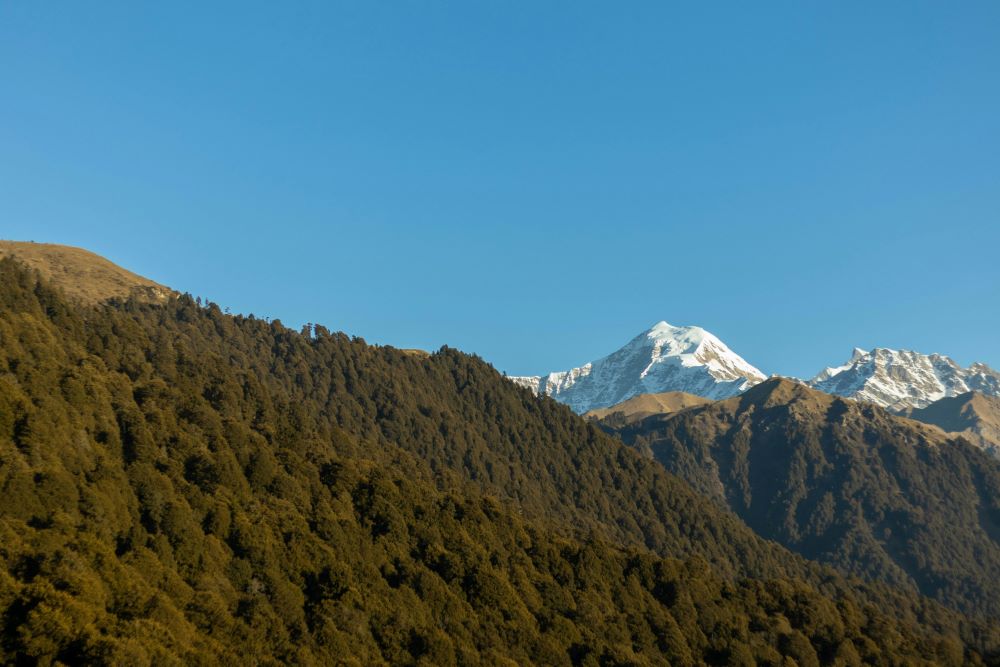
(643, 405)
(82, 274)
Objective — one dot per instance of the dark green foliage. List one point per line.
(845, 483)
(178, 486)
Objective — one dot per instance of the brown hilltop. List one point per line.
(801, 400)
(83, 275)
(781, 391)
(644, 405)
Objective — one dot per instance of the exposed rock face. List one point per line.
(664, 358)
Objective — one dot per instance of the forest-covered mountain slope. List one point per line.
(178, 486)
(846, 483)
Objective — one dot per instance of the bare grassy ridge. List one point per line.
(83, 275)
(644, 405)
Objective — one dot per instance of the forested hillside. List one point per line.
(846, 483)
(179, 486)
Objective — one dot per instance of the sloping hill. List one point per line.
(180, 486)
(82, 274)
(845, 483)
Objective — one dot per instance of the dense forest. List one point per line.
(181, 486)
(846, 483)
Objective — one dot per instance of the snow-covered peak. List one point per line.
(695, 346)
(663, 358)
(668, 340)
(901, 379)
(667, 333)
(831, 371)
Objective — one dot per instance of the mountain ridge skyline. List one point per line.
(533, 205)
(195, 440)
(174, 276)
(895, 379)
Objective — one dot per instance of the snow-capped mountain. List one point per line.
(664, 358)
(900, 379)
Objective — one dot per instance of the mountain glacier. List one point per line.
(664, 358)
(901, 379)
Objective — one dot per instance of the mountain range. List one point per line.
(690, 360)
(904, 380)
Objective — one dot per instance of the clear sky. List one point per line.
(535, 182)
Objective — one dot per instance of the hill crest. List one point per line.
(644, 405)
(84, 276)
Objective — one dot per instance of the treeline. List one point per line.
(179, 486)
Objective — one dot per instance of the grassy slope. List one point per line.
(82, 274)
(644, 405)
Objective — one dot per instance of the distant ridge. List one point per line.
(644, 405)
(82, 274)
(901, 380)
(973, 416)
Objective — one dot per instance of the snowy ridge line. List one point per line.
(690, 359)
(902, 379)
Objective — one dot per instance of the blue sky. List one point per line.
(535, 182)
